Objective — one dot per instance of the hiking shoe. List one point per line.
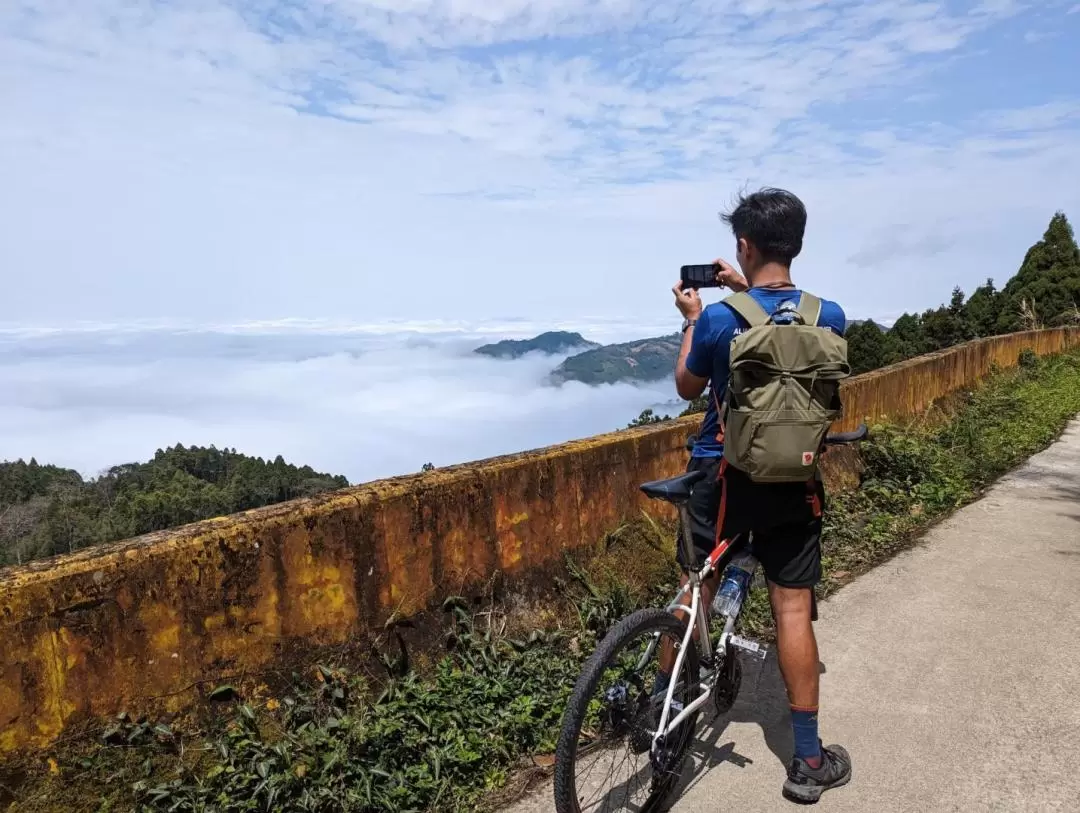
(805, 784)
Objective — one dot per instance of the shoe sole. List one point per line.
(811, 794)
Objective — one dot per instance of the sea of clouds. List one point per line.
(366, 401)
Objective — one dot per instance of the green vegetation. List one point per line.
(1044, 293)
(45, 510)
(556, 341)
(647, 418)
(642, 360)
(1048, 284)
(854, 322)
(447, 738)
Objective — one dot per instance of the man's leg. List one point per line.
(790, 554)
(798, 655)
(814, 769)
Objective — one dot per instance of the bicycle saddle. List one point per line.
(673, 489)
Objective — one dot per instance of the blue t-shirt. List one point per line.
(710, 351)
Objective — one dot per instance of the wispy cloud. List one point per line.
(1033, 119)
(610, 87)
(269, 157)
(1033, 37)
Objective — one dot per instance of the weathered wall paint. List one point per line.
(136, 625)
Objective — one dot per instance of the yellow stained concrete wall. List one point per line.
(909, 387)
(138, 624)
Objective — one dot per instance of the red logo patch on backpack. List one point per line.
(808, 458)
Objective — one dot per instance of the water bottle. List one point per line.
(735, 585)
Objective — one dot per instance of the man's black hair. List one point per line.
(774, 220)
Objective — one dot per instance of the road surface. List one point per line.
(950, 673)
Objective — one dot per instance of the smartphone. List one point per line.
(700, 276)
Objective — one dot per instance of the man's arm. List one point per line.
(688, 383)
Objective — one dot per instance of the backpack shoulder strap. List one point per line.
(809, 308)
(748, 308)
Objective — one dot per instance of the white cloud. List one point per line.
(337, 401)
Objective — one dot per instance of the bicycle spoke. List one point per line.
(627, 794)
(593, 765)
(598, 792)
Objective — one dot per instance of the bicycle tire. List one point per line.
(614, 642)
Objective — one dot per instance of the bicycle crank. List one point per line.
(728, 682)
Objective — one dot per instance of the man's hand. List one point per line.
(728, 276)
(687, 301)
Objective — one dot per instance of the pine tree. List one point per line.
(1048, 280)
(866, 347)
(906, 339)
(984, 309)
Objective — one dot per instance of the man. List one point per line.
(785, 518)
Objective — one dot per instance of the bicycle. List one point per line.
(659, 724)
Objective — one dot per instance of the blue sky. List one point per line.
(546, 159)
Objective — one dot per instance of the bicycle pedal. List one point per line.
(750, 647)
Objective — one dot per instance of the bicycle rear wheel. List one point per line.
(603, 761)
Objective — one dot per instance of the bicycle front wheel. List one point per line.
(604, 760)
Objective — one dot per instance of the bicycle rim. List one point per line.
(603, 760)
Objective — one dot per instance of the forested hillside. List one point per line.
(45, 510)
(641, 360)
(1044, 293)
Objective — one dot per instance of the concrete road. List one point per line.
(951, 673)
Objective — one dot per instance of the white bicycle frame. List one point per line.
(699, 619)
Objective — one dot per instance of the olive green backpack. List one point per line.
(783, 390)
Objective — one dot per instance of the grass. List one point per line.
(453, 737)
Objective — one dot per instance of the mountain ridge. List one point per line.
(639, 360)
(551, 342)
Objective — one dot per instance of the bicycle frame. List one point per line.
(698, 619)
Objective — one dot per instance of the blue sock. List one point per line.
(663, 680)
(804, 726)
